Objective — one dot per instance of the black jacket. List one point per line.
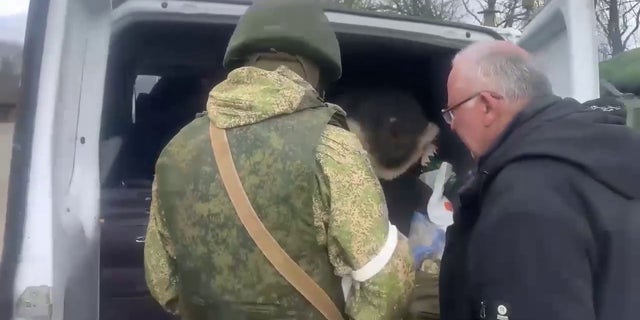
(549, 227)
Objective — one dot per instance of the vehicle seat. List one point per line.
(172, 103)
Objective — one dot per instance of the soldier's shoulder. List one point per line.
(336, 108)
(189, 136)
(338, 135)
(201, 114)
(338, 116)
(340, 145)
(196, 127)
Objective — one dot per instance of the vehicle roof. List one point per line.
(334, 7)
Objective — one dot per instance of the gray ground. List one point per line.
(6, 136)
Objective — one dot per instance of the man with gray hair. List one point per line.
(549, 224)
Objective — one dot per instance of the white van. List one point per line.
(86, 135)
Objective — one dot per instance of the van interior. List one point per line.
(158, 77)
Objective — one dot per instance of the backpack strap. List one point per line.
(280, 260)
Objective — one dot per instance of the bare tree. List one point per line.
(619, 21)
(503, 13)
(448, 10)
(357, 4)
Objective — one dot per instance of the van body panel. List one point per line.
(59, 242)
(59, 247)
(563, 47)
(343, 21)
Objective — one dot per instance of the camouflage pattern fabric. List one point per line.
(310, 182)
(425, 304)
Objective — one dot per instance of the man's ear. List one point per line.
(490, 109)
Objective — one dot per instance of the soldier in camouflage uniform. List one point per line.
(308, 179)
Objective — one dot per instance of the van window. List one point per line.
(143, 85)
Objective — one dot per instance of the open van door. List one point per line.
(50, 261)
(562, 42)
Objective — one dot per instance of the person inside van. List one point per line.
(548, 226)
(267, 207)
(393, 129)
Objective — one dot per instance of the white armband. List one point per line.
(375, 265)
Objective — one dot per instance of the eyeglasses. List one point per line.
(447, 112)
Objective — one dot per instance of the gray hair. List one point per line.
(514, 76)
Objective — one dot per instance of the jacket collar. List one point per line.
(535, 107)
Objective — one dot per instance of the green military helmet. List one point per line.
(296, 27)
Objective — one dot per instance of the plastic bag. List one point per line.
(425, 238)
(427, 232)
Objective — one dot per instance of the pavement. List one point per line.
(6, 139)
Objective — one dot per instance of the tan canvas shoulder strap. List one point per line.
(280, 260)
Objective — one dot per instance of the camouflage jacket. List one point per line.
(197, 252)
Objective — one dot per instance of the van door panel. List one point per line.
(562, 41)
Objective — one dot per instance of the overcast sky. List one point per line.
(11, 7)
(13, 20)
